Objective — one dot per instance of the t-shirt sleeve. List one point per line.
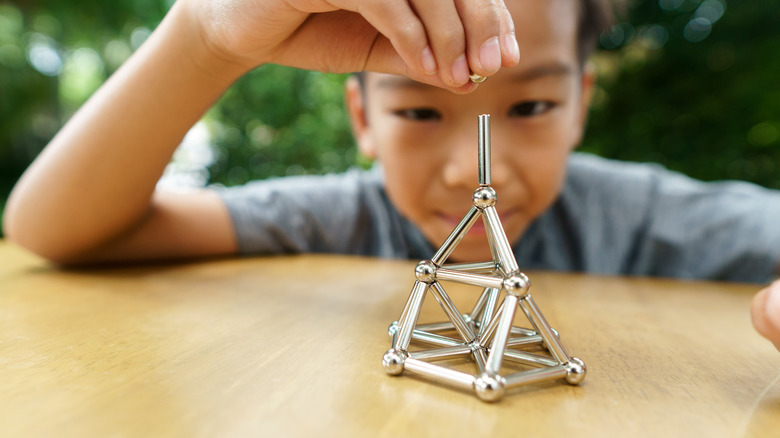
(297, 214)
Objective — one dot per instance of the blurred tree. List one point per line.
(687, 83)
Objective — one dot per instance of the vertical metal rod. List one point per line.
(456, 236)
(404, 315)
(502, 334)
(476, 312)
(490, 330)
(506, 257)
(463, 329)
(481, 360)
(415, 304)
(484, 149)
(491, 239)
(487, 311)
(543, 328)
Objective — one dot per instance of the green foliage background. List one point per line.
(706, 104)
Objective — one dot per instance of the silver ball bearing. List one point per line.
(517, 284)
(489, 388)
(393, 361)
(484, 197)
(576, 371)
(425, 271)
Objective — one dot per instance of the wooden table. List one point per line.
(291, 346)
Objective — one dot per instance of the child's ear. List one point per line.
(587, 88)
(588, 84)
(356, 108)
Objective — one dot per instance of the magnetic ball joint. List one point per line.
(484, 197)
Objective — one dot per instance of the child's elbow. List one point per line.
(23, 233)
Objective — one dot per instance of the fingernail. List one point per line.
(510, 41)
(490, 55)
(428, 62)
(460, 70)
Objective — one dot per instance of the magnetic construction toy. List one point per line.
(486, 336)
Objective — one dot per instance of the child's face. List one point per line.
(426, 138)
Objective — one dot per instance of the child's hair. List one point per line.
(595, 17)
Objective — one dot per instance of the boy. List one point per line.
(90, 196)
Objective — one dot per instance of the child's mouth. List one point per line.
(478, 229)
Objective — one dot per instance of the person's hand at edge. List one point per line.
(765, 312)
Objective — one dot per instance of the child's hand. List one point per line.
(432, 41)
(765, 312)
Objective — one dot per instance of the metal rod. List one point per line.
(525, 331)
(435, 326)
(439, 374)
(463, 329)
(478, 267)
(506, 257)
(469, 278)
(404, 315)
(483, 150)
(524, 341)
(487, 312)
(441, 353)
(432, 338)
(476, 312)
(534, 376)
(490, 330)
(531, 359)
(491, 239)
(540, 324)
(405, 330)
(502, 334)
(481, 360)
(456, 236)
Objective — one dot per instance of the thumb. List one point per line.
(765, 313)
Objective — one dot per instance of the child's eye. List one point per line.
(530, 108)
(419, 114)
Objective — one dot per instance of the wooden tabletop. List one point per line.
(292, 346)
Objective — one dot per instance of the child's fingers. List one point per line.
(399, 23)
(482, 20)
(442, 36)
(384, 59)
(447, 39)
(510, 50)
(765, 313)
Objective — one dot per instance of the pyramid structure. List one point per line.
(485, 336)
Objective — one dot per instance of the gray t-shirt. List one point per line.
(610, 218)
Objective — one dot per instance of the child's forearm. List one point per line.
(97, 176)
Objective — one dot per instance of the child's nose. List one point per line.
(461, 166)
